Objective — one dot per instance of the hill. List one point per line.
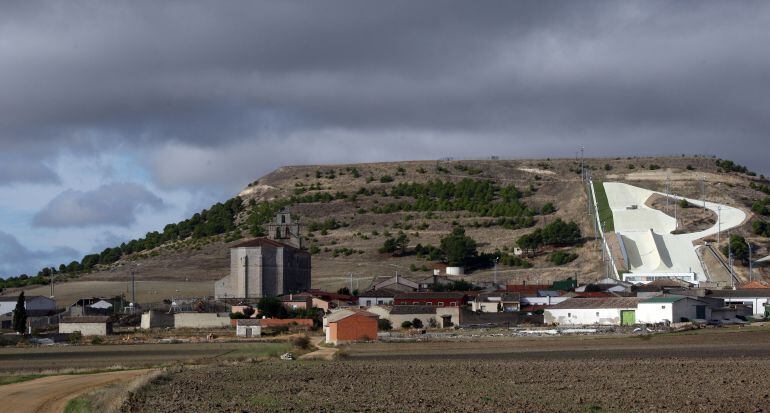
(349, 211)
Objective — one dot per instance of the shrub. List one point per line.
(302, 342)
(75, 337)
(384, 324)
(417, 323)
(406, 324)
(96, 340)
(548, 208)
(561, 258)
(386, 178)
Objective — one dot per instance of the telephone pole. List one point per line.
(582, 165)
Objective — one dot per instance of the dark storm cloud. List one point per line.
(15, 258)
(206, 82)
(114, 204)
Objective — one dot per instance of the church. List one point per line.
(267, 266)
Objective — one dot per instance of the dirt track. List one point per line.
(714, 370)
(51, 394)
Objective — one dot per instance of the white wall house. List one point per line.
(31, 303)
(672, 309)
(592, 311)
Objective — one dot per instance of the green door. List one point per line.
(627, 317)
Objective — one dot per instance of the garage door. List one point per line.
(628, 317)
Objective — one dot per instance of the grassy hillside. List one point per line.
(349, 211)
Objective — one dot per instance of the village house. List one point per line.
(376, 297)
(297, 302)
(34, 304)
(347, 326)
(496, 302)
(440, 299)
(395, 283)
(593, 311)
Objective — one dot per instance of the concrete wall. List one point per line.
(86, 329)
(200, 320)
(397, 319)
(584, 316)
(157, 319)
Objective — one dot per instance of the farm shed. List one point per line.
(347, 325)
(248, 328)
(589, 311)
(672, 309)
(87, 326)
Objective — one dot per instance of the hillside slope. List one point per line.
(348, 211)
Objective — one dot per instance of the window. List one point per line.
(597, 314)
(283, 219)
(663, 307)
(429, 303)
(453, 304)
(441, 303)
(569, 315)
(416, 303)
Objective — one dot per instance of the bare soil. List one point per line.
(715, 370)
(689, 219)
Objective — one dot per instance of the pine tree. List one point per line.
(20, 315)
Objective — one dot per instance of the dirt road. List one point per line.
(51, 394)
(323, 353)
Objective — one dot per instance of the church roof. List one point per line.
(261, 242)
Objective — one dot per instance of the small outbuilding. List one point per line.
(248, 328)
(87, 326)
(382, 296)
(347, 325)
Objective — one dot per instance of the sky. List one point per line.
(119, 117)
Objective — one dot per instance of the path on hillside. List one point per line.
(51, 394)
(323, 353)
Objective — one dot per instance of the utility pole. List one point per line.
(668, 189)
(750, 263)
(52, 281)
(676, 221)
(495, 275)
(133, 290)
(730, 259)
(703, 191)
(350, 274)
(582, 165)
